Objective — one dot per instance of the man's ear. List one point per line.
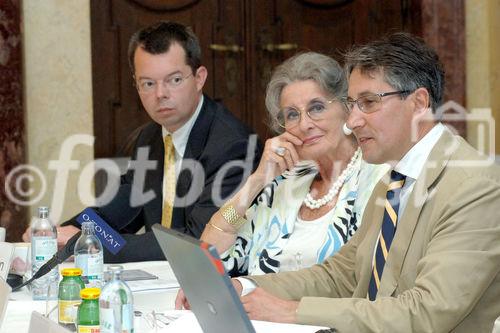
(422, 100)
(200, 76)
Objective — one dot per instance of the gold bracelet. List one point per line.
(231, 216)
(220, 229)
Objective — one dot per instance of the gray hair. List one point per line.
(325, 71)
(406, 62)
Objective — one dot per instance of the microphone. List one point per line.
(117, 210)
(58, 258)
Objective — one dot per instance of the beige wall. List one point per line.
(58, 96)
(483, 63)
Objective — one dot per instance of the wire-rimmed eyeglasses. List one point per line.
(371, 102)
(316, 109)
(170, 82)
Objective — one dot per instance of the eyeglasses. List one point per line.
(316, 109)
(370, 103)
(171, 82)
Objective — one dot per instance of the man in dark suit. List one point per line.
(192, 143)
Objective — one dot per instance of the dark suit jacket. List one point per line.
(216, 138)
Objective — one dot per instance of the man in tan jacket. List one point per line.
(427, 255)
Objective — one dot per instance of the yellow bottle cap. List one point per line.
(71, 272)
(90, 293)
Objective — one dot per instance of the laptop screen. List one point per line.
(208, 288)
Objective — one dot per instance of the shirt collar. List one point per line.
(181, 135)
(413, 162)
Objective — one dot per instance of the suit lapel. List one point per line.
(422, 191)
(194, 148)
(156, 174)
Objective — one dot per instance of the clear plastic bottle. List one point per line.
(116, 305)
(43, 248)
(89, 256)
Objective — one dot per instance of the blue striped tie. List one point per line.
(389, 224)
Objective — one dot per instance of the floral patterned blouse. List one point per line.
(272, 216)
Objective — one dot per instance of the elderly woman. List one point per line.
(288, 215)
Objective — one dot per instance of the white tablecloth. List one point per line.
(21, 305)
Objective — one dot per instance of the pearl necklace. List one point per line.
(315, 204)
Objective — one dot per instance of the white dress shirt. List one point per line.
(412, 164)
(180, 139)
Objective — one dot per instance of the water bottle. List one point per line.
(43, 248)
(116, 310)
(89, 256)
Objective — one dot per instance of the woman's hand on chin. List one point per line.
(280, 154)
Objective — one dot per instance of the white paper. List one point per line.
(6, 252)
(189, 323)
(157, 284)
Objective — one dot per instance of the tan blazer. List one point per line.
(442, 272)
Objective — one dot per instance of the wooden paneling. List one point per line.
(443, 28)
(117, 108)
(243, 40)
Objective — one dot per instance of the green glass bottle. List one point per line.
(69, 296)
(88, 311)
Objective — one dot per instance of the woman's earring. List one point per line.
(347, 130)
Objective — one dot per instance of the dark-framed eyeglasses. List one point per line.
(371, 102)
(316, 109)
(170, 82)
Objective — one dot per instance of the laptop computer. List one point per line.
(201, 274)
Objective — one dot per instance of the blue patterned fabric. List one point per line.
(271, 220)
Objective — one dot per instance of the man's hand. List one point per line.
(181, 301)
(27, 235)
(237, 286)
(261, 305)
(63, 234)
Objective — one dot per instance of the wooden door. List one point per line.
(117, 108)
(280, 28)
(243, 40)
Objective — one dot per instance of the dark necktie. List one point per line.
(389, 224)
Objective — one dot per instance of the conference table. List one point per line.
(153, 306)
(20, 306)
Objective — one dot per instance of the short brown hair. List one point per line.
(157, 38)
(406, 62)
